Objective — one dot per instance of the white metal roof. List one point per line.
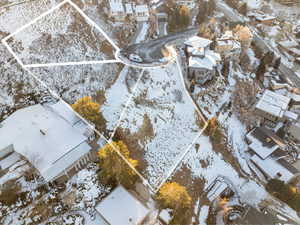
(141, 9)
(273, 103)
(128, 7)
(259, 147)
(209, 61)
(271, 167)
(121, 208)
(198, 42)
(116, 6)
(44, 137)
(9, 160)
(216, 190)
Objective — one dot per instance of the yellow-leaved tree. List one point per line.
(90, 111)
(174, 196)
(244, 35)
(114, 168)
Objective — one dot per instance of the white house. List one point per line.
(51, 137)
(117, 10)
(129, 9)
(197, 42)
(190, 4)
(201, 61)
(120, 207)
(273, 106)
(142, 13)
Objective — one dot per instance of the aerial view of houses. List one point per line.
(175, 112)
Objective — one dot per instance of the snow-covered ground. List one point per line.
(61, 36)
(250, 192)
(162, 120)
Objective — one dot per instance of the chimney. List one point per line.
(42, 132)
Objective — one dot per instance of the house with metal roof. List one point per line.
(121, 207)
(51, 137)
(273, 106)
(269, 155)
(201, 61)
(142, 13)
(117, 10)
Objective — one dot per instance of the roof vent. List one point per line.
(42, 132)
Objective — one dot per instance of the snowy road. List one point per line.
(150, 51)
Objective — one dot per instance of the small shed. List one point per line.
(120, 207)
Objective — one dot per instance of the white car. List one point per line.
(135, 58)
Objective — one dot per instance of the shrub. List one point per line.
(285, 192)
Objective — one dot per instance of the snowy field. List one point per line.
(17, 87)
(159, 123)
(64, 35)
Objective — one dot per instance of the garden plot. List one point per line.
(64, 35)
(110, 85)
(159, 123)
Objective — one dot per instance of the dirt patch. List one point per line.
(204, 163)
(100, 97)
(107, 48)
(221, 146)
(194, 186)
(133, 140)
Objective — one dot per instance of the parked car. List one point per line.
(135, 58)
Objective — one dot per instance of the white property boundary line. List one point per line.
(172, 170)
(72, 63)
(91, 22)
(54, 94)
(26, 68)
(4, 42)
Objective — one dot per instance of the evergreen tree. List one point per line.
(202, 12)
(277, 63)
(243, 9)
(232, 3)
(211, 6)
(260, 72)
(179, 18)
(114, 168)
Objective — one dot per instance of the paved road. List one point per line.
(150, 51)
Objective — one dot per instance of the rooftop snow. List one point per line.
(209, 61)
(198, 42)
(121, 207)
(228, 39)
(129, 9)
(116, 6)
(260, 144)
(43, 136)
(273, 103)
(271, 167)
(141, 9)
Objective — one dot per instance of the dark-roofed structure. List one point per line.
(269, 154)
